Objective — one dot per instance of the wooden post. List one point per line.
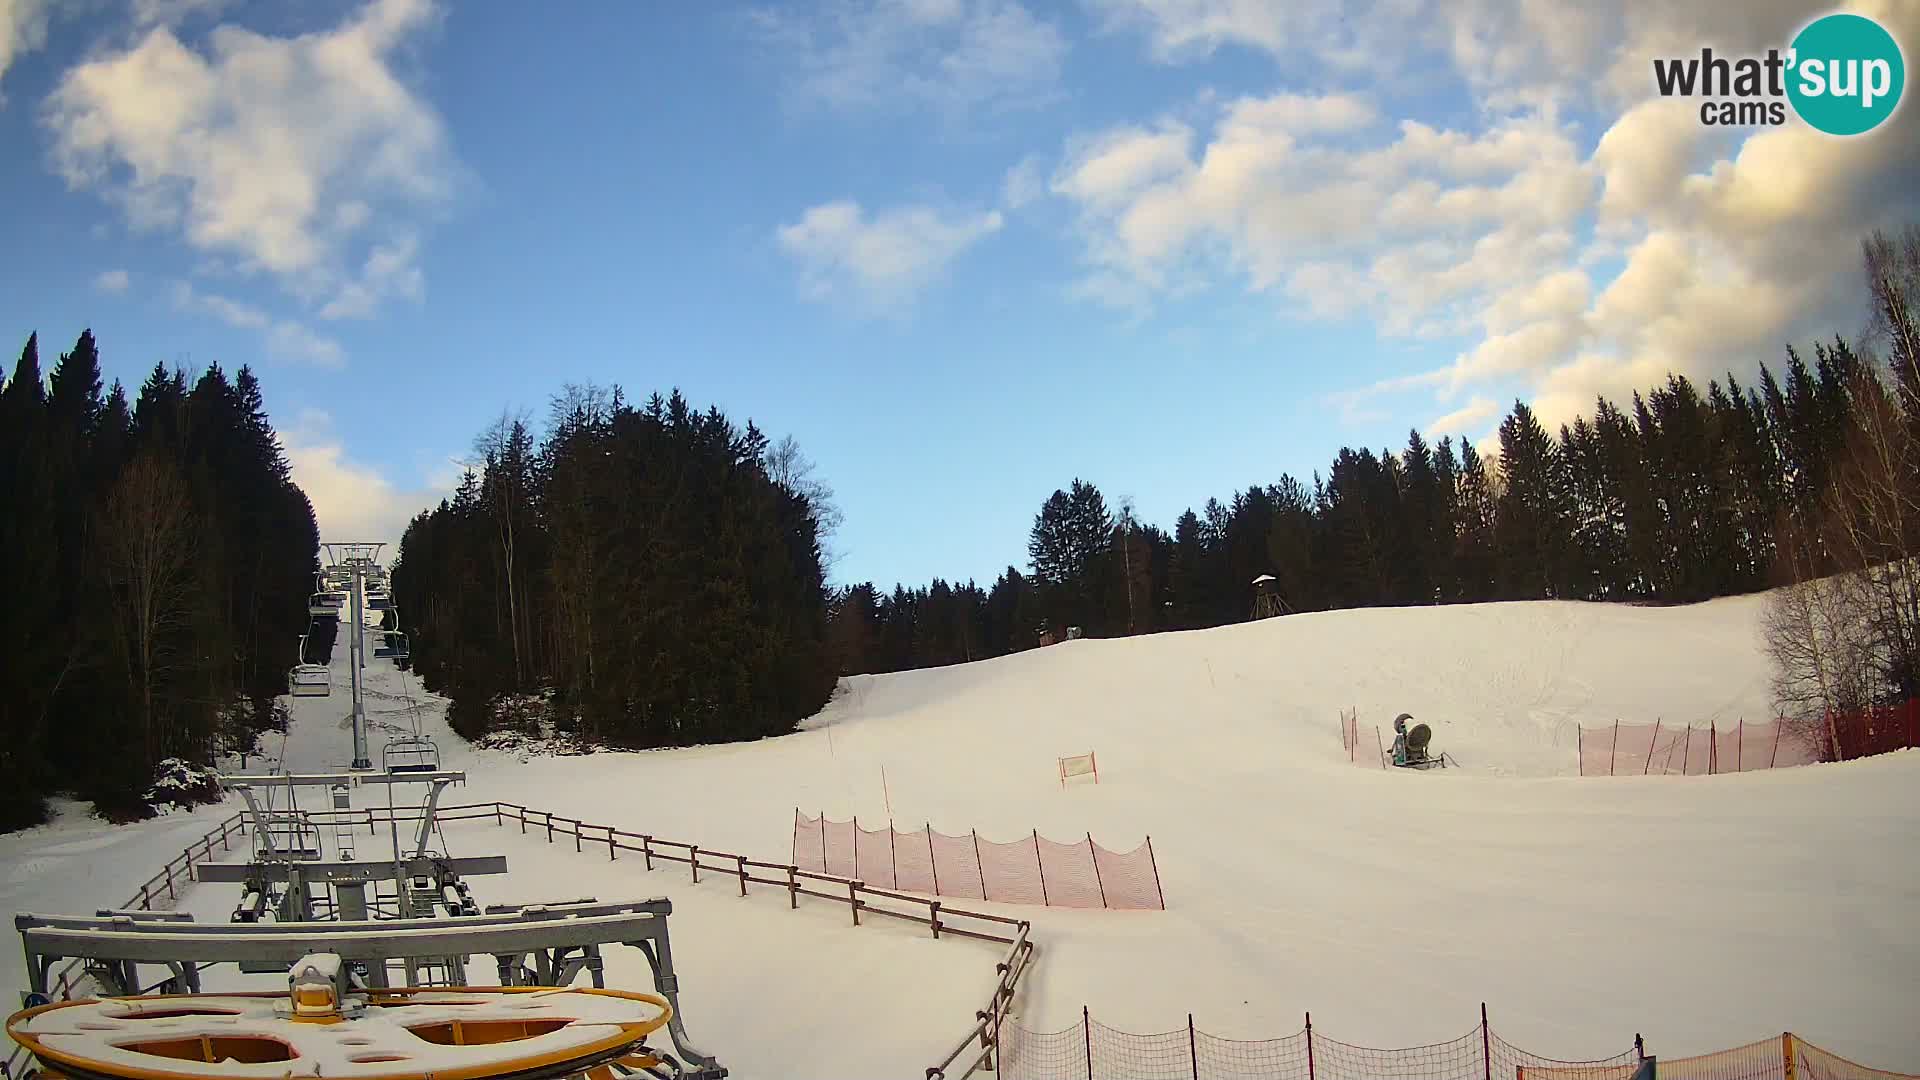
(496, 814)
(823, 840)
(1776, 745)
(933, 917)
(1486, 1043)
(796, 836)
(1614, 752)
(522, 815)
(1156, 875)
(578, 825)
(1310, 1075)
(893, 853)
(1095, 856)
(1740, 745)
(1713, 748)
(1193, 1051)
(693, 862)
(610, 845)
(980, 867)
(646, 850)
(1686, 755)
(549, 826)
(1648, 767)
(856, 847)
(1042, 868)
(743, 873)
(793, 888)
(853, 900)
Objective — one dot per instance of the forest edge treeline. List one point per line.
(155, 561)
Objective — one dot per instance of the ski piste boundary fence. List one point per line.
(1031, 870)
(1023, 1054)
(1663, 749)
(1091, 1049)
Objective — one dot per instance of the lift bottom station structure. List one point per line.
(347, 962)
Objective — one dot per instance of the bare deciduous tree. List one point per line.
(148, 537)
(1845, 635)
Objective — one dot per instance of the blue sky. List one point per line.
(962, 250)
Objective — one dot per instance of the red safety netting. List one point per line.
(1456, 1059)
(1662, 749)
(1032, 870)
(1510, 1060)
(1131, 879)
(1043, 1055)
(1250, 1059)
(1011, 872)
(1763, 1060)
(1813, 1063)
(1369, 753)
(1877, 731)
(1090, 1049)
(913, 861)
(873, 857)
(1071, 878)
(956, 867)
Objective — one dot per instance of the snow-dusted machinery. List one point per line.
(376, 949)
(333, 1021)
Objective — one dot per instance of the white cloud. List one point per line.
(1023, 183)
(23, 28)
(285, 339)
(388, 271)
(1494, 228)
(277, 152)
(351, 499)
(112, 281)
(1474, 413)
(951, 55)
(885, 257)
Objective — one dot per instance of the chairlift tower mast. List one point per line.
(357, 557)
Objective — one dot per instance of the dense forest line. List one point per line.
(656, 569)
(1675, 498)
(1677, 495)
(155, 563)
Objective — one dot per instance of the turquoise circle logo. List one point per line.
(1847, 74)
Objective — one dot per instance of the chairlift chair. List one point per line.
(392, 644)
(310, 680)
(410, 753)
(325, 605)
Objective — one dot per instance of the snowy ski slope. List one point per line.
(1703, 912)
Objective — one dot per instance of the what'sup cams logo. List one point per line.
(1843, 74)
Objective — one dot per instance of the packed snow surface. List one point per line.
(1702, 912)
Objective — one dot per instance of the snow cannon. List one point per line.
(322, 1027)
(1419, 754)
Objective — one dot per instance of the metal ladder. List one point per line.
(342, 828)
